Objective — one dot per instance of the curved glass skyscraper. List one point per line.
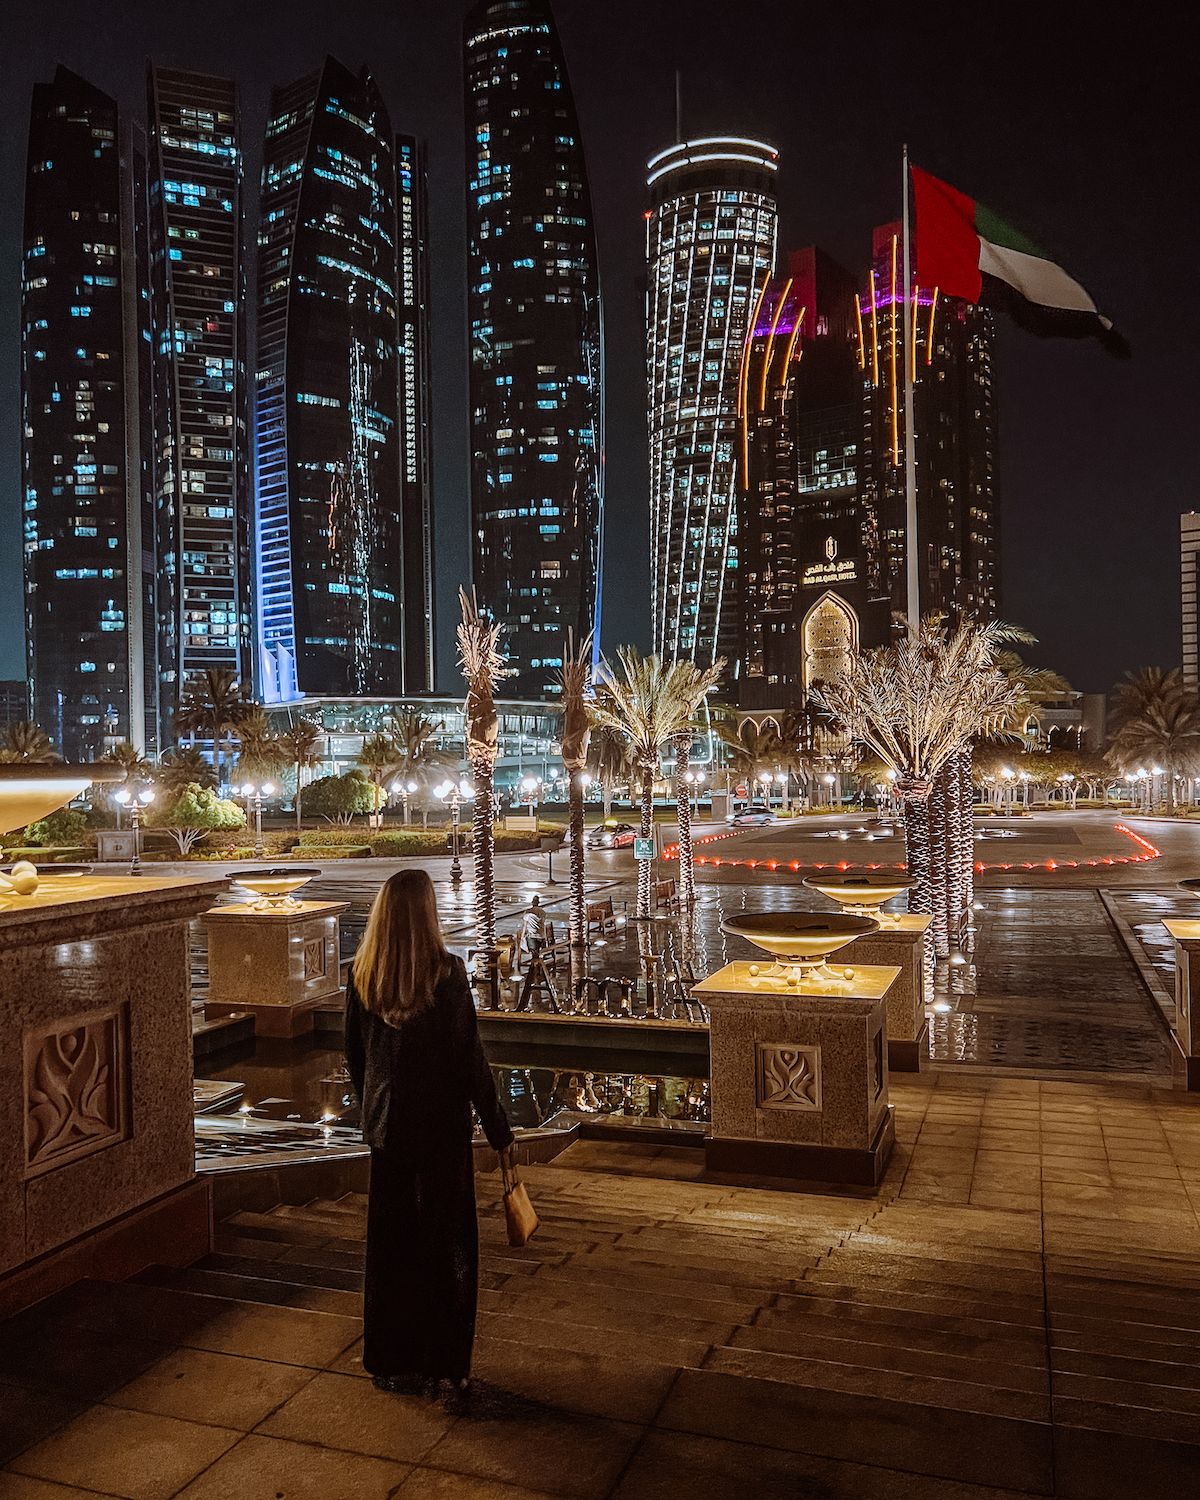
(710, 251)
(533, 302)
(330, 537)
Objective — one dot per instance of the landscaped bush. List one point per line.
(49, 854)
(66, 826)
(409, 842)
(332, 851)
(331, 838)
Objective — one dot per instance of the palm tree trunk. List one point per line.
(298, 775)
(647, 830)
(939, 856)
(606, 792)
(578, 859)
(483, 850)
(966, 849)
(914, 799)
(955, 908)
(683, 809)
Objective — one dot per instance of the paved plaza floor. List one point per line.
(1016, 1312)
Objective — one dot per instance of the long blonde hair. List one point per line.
(402, 956)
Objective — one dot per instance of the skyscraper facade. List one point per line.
(329, 525)
(88, 537)
(802, 543)
(201, 439)
(1189, 594)
(954, 428)
(416, 390)
(533, 305)
(710, 252)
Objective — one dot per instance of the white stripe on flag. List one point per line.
(1037, 280)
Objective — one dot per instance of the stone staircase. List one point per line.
(662, 1334)
(928, 1340)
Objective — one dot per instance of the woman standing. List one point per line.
(413, 1051)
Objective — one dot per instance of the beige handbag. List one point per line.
(519, 1213)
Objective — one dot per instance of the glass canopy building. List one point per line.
(533, 304)
(201, 460)
(710, 251)
(88, 535)
(329, 524)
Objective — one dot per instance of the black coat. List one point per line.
(417, 1083)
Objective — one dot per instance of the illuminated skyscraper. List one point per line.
(330, 542)
(801, 537)
(954, 427)
(416, 396)
(710, 251)
(533, 304)
(88, 537)
(197, 278)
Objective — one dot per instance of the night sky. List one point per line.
(1075, 129)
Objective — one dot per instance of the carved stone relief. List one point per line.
(789, 1077)
(314, 958)
(76, 1088)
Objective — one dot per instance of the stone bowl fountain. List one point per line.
(29, 792)
(801, 942)
(862, 893)
(274, 888)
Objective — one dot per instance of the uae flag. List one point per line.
(967, 251)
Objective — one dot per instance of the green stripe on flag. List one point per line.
(990, 226)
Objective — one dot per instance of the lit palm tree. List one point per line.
(299, 742)
(380, 759)
(483, 668)
(261, 754)
(1166, 729)
(576, 681)
(750, 746)
(915, 704)
(185, 766)
(26, 741)
(610, 761)
(652, 702)
(419, 757)
(212, 709)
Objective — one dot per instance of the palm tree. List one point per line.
(299, 743)
(261, 754)
(379, 758)
(576, 681)
(915, 704)
(751, 746)
(483, 667)
(1165, 728)
(212, 708)
(419, 757)
(610, 760)
(26, 741)
(185, 766)
(652, 702)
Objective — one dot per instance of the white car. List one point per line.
(752, 817)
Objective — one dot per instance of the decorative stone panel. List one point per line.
(76, 1088)
(788, 1077)
(314, 958)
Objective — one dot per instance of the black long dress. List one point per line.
(417, 1083)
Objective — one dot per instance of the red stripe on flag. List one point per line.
(947, 243)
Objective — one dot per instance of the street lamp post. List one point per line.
(1025, 789)
(531, 786)
(404, 790)
(457, 792)
(254, 794)
(135, 802)
(829, 778)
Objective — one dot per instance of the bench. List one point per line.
(665, 893)
(600, 917)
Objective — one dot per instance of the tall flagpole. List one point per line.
(911, 554)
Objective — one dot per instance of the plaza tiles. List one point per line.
(1016, 1312)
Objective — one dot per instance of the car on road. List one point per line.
(752, 817)
(612, 835)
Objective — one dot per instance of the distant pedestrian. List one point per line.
(413, 1051)
(533, 927)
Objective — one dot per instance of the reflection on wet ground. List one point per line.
(1049, 987)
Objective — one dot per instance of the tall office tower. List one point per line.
(201, 472)
(1189, 594)
(801, 543)
(416, 407)
(88, 538)
(710, 252)
(533, 304)
(330, 534)
(954, 427)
